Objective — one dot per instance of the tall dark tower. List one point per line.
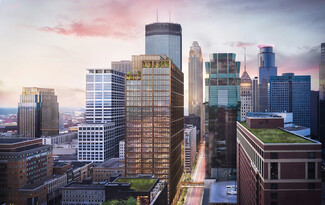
(165, 39)
(322, 96)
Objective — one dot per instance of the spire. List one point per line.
(169, 18)
(245, 59)
(157, 15)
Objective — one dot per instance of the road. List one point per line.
(194, 195)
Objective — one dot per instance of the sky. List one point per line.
(50, 44)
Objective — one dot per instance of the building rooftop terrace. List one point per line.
(276, 136)
(138, 184)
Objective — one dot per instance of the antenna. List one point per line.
(245, 59)
(169, 18)
(157, 15)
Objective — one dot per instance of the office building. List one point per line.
(96, 142)
(165, 39)
(223, 84)
(322, 96)
(137, 61)
(245, 95)
(105, 171)
(121, 151)
(155, 122)
(314, 114)
(105, 101)
(290, 93)
(23, 162)
(189, 147)
(195, 80)
(146, 190)
(275, 166)
(83, 193)
(266, 62)
(255, 94)
(123, 66)
(38, 112)
(196, 121)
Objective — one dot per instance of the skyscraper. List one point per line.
(38, 112)
(245, 95)
(105, 101)
(165, 39)
(195, 80)
(322, 96)
(266, 62)
(255, 94)
(223, 112)
(155, 122)
(290, 93)
(123, 66)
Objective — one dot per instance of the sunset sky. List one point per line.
(51, 43)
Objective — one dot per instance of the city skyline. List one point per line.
(51, 48)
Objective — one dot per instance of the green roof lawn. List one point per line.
(138, 184)
(276, 136)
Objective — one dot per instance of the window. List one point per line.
(311, 170)
(274, 155)
(274, 186)
(311, 186)
(274, 170)
(274, 195)
(222, 81)
(311, 155)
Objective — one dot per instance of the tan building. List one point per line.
(102, 172)
(246, 95)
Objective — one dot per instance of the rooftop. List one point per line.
(14, 140)
(138, 184)
(276, 136)
(85, 186)
(111, 163)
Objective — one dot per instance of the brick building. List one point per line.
(276, 167)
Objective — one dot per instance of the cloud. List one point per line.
(240, 44)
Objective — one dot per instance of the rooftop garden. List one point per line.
(138, 184)
(276, 136)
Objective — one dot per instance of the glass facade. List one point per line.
(266, 59)
(322, 97)
(165, 39)
(105, 101)
(223, 87)
(290, 93)
(38, 112)
(155, 122)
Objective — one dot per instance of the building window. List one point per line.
(274, 170)
(311, 186)
(311, 155)
(274, 203)
(274, 155)
(311, 170)
(274, 186)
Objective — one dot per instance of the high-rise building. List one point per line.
(322, 96)
(105, 101)
(123, 66)
(96, 142)
(245, 95)
(223, 84)
(314, 114)
(255, 94)
(275, 166)
(189, 147)
(290, 93)
(195, 120)
(195, 79)
(24, 162)
(38, 112)
(165, 39)
(155, 123)
(266, 62)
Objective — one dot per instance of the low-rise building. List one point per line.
(275, 166)
(102, 172)
(59, 139)
(83, 193)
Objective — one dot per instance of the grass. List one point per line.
(276, 136)
(138, 184)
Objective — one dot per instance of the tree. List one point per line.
(131, 201)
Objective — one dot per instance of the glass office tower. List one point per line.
(290, 93)
(38, 112)
(223, 84)
(266, 62)
(155, 123)
(105, 101)
(165, 39)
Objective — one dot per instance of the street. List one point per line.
(194, 195)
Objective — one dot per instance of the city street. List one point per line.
(194, 195)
